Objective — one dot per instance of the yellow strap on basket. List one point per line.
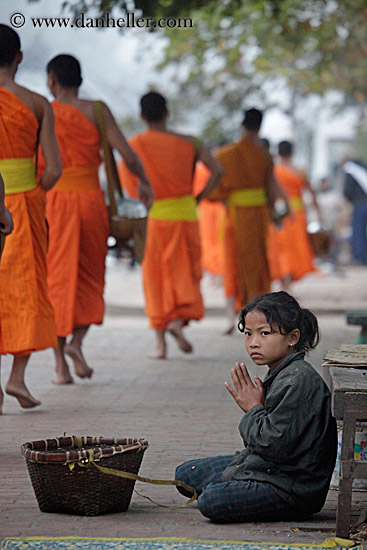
(295, 203)
(88, 462)
(248, 197)
(174, 209)
(19, 175)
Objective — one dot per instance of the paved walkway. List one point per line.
(319, 291)
(179, 405)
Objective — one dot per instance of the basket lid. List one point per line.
(74, 448)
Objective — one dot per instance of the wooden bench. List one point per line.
(358, 317)
(349, 404)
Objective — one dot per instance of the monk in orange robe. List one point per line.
(6, 227)
(77, 215)
(290, 253)
(171, 265)
(248, 189)
(211, 225)
(26, 315)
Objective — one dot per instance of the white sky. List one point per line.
(113, 65)
(108, 57)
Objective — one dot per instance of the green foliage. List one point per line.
(238, 51)
(149, 8)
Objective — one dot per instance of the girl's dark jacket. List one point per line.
(291, 440)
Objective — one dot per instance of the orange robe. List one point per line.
(211, 225)
(171, 265)
(246, 270)
(289, 249)
(27, 321)
(78, 222)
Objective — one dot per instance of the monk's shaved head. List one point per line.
(252, 120)
(66, 70)
(285, 149)
(9, 45)
(153, 107)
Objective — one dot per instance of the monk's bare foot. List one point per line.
(61, 380)
(25, 399)
(159, 354)
(175, 329)
(80, 365)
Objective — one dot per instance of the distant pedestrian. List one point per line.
(171, 266)
(289, 251)
(6, 227)
(289, 435)
(211, 216)
(334, 209)
(77, 215)
(26, 315)
(249, 191)
(355, 190)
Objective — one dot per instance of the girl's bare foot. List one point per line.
(80, 365)
(25, 399)
(175, 329)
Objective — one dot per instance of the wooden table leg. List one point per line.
(346, 479)
(344, 508)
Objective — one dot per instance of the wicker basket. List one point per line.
(65, 481)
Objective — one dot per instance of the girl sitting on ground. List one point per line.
(289, 435)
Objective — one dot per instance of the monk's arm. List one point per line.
(307, 185)
(6, 219)
(117, 141)
(216, 172)
(50, 149)
(275, 193)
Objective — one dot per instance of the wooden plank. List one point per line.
(347, 379)
(354, 469)
(354, 403)
(348, 436)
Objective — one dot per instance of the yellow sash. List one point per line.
(19, 175)
(78, 178)
(295, 203)
(248, 197)
(175, 209)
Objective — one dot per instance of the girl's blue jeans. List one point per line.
(232, 501)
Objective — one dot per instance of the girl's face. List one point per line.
(264, 345)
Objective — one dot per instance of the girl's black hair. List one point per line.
(281, 309)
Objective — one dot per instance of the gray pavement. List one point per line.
(320, 291)
(179, 405)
